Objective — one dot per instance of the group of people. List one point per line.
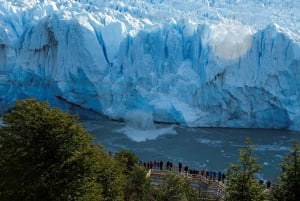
(208, 174)
(158, 165)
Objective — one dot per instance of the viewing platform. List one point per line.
(212, 190)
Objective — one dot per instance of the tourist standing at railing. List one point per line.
(207, 174)
(210, 174)
(202, 172)
(151, 165)
(223, 177)
(179, 167)
(161, 164)
(214, 175)
(171, 166)
(186, 169)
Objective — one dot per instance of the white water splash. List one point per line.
(230, 39)
(140, 127)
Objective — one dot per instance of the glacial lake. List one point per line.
(209, 148)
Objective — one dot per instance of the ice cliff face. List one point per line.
(197, 63)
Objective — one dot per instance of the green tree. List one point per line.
(113, 181)
(127, 160)
(288, 187)
(136, 185)
(46, 155)
(174, 188)
(241, 183)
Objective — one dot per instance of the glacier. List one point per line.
(227, 63)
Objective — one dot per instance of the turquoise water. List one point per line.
(209, 148)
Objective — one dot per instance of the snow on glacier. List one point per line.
(197, 63)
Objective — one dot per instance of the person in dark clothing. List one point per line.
(179, 167)
(261, 181)
(161, 165)
(214, 175)
(219, 176)
(168, 165)
(207, 174)
(186, 169)
(268, 184)
(210, 174)
(223, 177)
(171, 165)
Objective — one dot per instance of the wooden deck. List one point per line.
(214, 190)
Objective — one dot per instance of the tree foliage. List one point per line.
(46, 155)
(137, 186)
(113, 181)
(127, 160)
(241, 183)
(175, 188)
(288, 187)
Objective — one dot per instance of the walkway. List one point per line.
(214, 190)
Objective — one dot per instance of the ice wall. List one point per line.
(115, 59)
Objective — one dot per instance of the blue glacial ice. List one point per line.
(195, 63)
